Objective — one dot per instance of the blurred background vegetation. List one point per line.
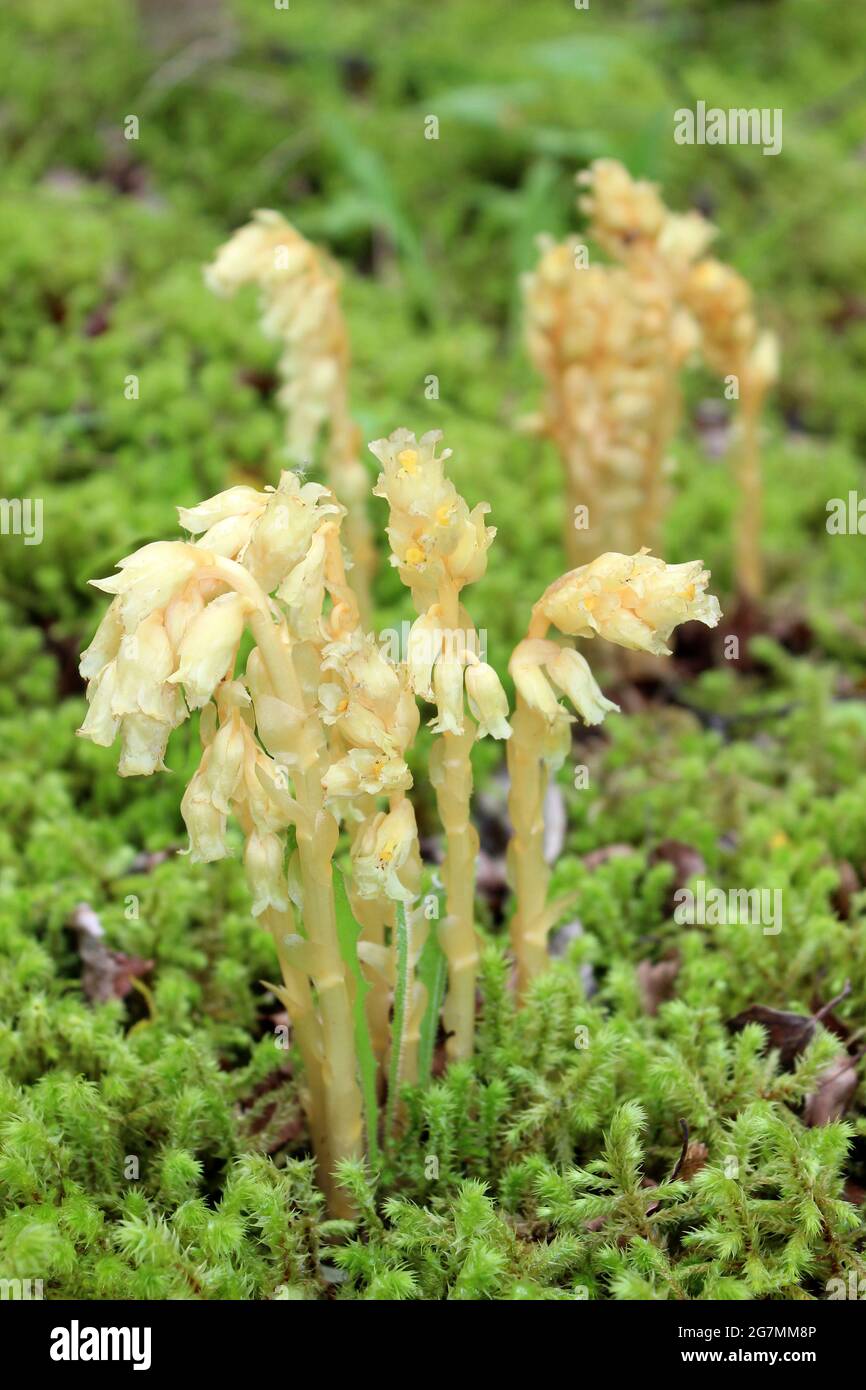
(319, 111)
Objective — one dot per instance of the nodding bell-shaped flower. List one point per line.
(448, 693)
(570, 672)
(635, 601)
(207, 800)
(384, 855)
(566, 670)
(209, 646)
(130, 693)
(488, 702)
(303, 589)
(369, 700)
(263, 861)
(426, 639)
(527, 671)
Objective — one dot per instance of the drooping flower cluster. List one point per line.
(161, 631)
(605, 343)
(634, 601)
(300, 293)
(611, 341)
(439, 545)
(300, 305)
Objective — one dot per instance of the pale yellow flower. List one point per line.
(527, 671)
(263, 861)
(488, 702)
(150, 577)
(433, 534)
(303, 589)
(143, 743)
(368, 699)
(300, 300)
(384, 855)
(209, 646)
(633, 600)
(570, 672)
(426, 639)
(225, 522)
(448, 694)
(105, 644)
(207, 800)
(131, 694)
(366, 772)
(145, 660)
(101, 723)
(283, 533)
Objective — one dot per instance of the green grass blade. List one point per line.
(432, 971)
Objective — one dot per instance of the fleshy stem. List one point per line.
(317, 833)
(398, 1025)
(451, 775)
(530, 876)
(528, 869)
(749, 566)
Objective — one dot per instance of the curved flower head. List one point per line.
(150, 577)
(283, 532)
(301, 306)
(635, 601)
(433, 534)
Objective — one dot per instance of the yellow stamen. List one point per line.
(408, 459)
(443, 513)
(343, 705)
(414, 555)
